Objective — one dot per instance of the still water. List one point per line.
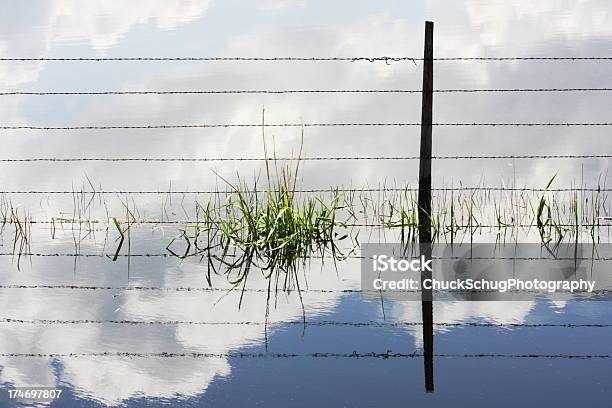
(142, 305)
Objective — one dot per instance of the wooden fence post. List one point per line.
(424, 201)
(426, 131)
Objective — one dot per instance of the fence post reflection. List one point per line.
(424, 201)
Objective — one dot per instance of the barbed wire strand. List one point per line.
(401, 323)
(169, 255)
(189, 289)
(314, 190)
(212, 59)
(330, 158)
(295, 91)
(275, 125)
(391, 224)
(270, 355)
(386, 59)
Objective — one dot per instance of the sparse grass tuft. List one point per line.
(22, 236)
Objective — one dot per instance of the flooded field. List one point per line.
(187, 189)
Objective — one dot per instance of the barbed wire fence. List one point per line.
(350, 59)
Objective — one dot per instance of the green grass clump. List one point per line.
(272, 231)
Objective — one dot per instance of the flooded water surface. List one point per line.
(122, 193)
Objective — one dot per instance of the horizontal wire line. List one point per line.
(394, 224)
(510, 90)
(191, 289)
(166, 289)
(461, 229)
(297, 91)
(534, 58)
(345, 124)
(349, 59)
(168, 255)
(331, 158)
(81, 255)
(300, 323)
(102, 59)
(270, 355)
(203, 126)
(314, 190)
(214, 92)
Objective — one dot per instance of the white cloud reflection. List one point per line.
(473, 28)
(114, 379)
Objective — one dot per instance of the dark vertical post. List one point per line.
(426, 130)
(424, 200)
